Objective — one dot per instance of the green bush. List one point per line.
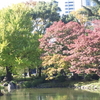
(22, 79)
(1, 87)
(27, 84)
(60, 78)
(88, 77)
(33, 83)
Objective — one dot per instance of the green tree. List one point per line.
(92, 11)
(15, 35)
(44, 14)
(30, 58)
(68, 18)
(96, 1)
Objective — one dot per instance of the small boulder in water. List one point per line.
(11, 86)
(1, 94)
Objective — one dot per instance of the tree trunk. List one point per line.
(30, 72)
(39, 71)
(9, 74)
(36, 71)
(98, 71)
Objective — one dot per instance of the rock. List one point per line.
(82, 87)
(5, 84)
(95, 87)
(5, 79)
(11, 86)
(1, 94)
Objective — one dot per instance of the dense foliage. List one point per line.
(59, 36)
(85, 52)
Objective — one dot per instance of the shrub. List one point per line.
(1, 87)
(33, 83)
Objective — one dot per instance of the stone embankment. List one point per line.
(92, 87)
(85, 87)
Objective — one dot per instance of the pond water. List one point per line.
(50, 94)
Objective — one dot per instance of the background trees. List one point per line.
(80, 15)
(88, 13)
(68, 18)
(92, 12)
(44, 14)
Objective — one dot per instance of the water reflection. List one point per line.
(50, 94)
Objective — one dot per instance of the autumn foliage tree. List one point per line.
(59, 36)
(55, 60)
(85, 52)
(56, 41)
(80, 15)
(77, 44)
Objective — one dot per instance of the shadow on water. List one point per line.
(50, 94)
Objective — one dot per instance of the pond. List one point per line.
(50, 94)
